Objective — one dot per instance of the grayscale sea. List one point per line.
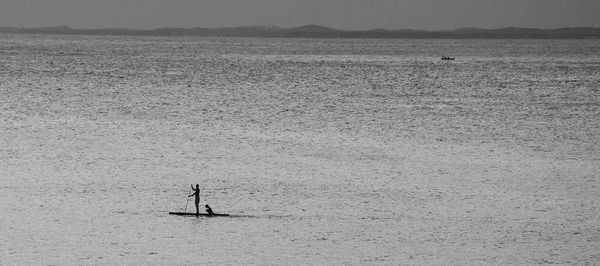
(324, 151)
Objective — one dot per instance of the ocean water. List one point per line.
(324, 151)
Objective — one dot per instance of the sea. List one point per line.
(323, 151)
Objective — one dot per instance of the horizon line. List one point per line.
(301, 26)
(317, 31)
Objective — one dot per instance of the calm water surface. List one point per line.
(325, 151)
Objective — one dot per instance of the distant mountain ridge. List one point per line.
(317, 31)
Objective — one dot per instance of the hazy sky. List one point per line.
(342, 14)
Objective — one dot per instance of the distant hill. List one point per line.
(311, 28)
(316, 31)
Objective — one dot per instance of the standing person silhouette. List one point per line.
(197, 199)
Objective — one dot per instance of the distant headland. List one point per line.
(316, 31)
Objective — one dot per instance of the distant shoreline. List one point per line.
(316, 31)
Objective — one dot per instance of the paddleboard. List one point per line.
(200, 214)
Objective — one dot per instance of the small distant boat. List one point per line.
(447, 58)
(199, 214)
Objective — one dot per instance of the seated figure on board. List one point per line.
(208, 209)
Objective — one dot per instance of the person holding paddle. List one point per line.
(209, 211)
(197, 199)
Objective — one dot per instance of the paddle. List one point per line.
(188, 200)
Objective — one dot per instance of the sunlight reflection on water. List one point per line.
(323, 151)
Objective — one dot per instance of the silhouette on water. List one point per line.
(197, 198)
(209, 211)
